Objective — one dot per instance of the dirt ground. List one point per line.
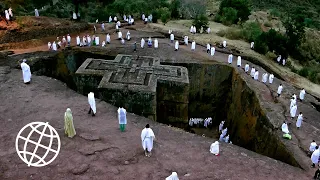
(100, 151)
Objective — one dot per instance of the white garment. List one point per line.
(292, 103)
(226, 139)
(212, 51)
(252, 45)
(115, 18)
(97, 41)
(10, 12)
(214, 148)
(117, 27)
(221, 126)
(68, 39)
(302, 93)
(78, 40)
(74, 15)
(279, 58)
(224, 132)
(193, 45)
(284, 128)
(265, 77)
(84, 40)
(143, 17)
(122, 41)
(92, 102)
(191, 29)
(36, 12)
(239, 61)
(142, 42)
(147, 137)
(176, 46)
(171, 37)
(208, 30)
(119, 35)
(279, 89)
(230, 57)
(7, 15)
(312, 146)
(315, 156)
(283, 62)
(294, 97)
(293, 111)
(26, 73)
(246, 68)
(271, 78)
(208, 47)
(49, 45)
(224, 43)
(89, 39)
(110, 19)
(108, 38)
(299, 120)
(156, 43)
(173, 176)
(103, 44)
(54, 46)
(253, 70)
(194, 29)
(122, 116)
(256, 75)
(186, 40)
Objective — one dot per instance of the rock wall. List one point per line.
(248, 125)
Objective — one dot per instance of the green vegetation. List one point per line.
(201, 20)
(233, 11)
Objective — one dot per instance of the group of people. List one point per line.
(223, 136)
(57, 44)
(198, 122)
(7, 15)
(146, 19)
(283, 62)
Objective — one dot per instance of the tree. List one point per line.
(251, 31)
(165, 15)
(241, 6)
(174, 8)
(229, 16)
(201, 21)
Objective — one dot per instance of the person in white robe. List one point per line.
(212, 51)
(128, 36)
(64, 41)
(115, 19)
(176, 46)
(122, 117)
(256, 76)
(194, 30)
(156, 43)
(265, 78)
(279, 59)
(74, 16)
(171, 37)
(292, 103)
(226, 139)
(117, 28)
(122, 41)
(10, 13)
(36, 12)
(119, 24)
(26, 72)
(253, 70)
(103, 44)
(49, 45)
(110, 19)
(92, 103)
(84, 40)
(315, 156)
(221, 138)
(119, 35)
(170, 31)
(7, 15)
(221, 126)
(271, 78)
(279, 90)
(102, 27)
(147, 137)
(97, 40)
(294, 96)
(313, 146)
(191, 29)
(78, 40)
(293, 111)
(54, 46)
(208, 30)
(186, 40)
(145, 20)
(89, 40)
(239, 61)
(142, 43)
(284, 128)
(230, 57)
(252, 45)
(68, 39)
(97, 20)
(302, 94)
(283, 62)
(214, 148)
(143, 17)
(208, 48)
(173, 176)
(124, 17)
(224, 44)
(225, 131)
(193, 46)
(299, 120)
(108, 39)
(246, 68)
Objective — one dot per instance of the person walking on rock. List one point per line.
(68, 124)
(147, 137)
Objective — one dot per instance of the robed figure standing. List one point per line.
(92, 103)
(26, 73)
(122, 116)
(68, 124)
(147, 137)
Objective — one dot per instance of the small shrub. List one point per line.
(234, 33)
(165, 15)
(267, 24)
(229, 16)
(304, 72)
(313, 76)
(221, 33)
(274, 12)
(251, 31)
(272, 56)
(260, 46)
(201, 21)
